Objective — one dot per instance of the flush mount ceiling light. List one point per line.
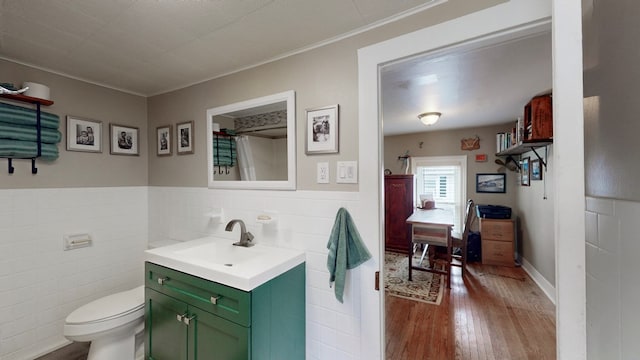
(429, 118)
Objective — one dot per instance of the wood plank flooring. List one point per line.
(73, 351)
(496, 313)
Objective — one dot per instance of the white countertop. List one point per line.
(216, 259)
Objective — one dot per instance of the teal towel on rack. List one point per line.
(346, 251)
(27, 149)
(223, 161)
(223, 152)
(12, 114)
(225, 145)
(4, 107)
(28, 133)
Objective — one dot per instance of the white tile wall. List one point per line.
(305, 219)
(40, 284)
(613, 251)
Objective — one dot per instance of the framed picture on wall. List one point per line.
(124, 140)
(322, 130)
(524, 172)
(491, 183)
(536, 170)
(84, 134)
(163, 140)
(184, 136)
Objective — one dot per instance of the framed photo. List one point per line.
(524, 172)
(163, 140)
(84, 134)
(322, 130)
(184, 136)
(491, 183)
(124, 140)
(536, 170)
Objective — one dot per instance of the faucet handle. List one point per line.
(249, 236)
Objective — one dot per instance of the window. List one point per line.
(444, 179)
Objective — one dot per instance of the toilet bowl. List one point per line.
(110, 323)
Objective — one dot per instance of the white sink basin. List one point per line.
(216, 259)
(219, 253)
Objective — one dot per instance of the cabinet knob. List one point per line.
(214, 299)
(180, 318)
(187, 320)
(162, 280)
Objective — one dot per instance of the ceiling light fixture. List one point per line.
(429, 118)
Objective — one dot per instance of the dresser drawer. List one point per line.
(227, 302)
(498, 230)
(497, 253)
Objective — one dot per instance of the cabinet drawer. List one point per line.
(498, 230)
(224, 301)
(497, 253)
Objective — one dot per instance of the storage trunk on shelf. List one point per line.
(538, 119)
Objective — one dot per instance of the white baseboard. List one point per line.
(542, 283)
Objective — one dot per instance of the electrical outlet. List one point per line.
(323, 173)
(347, 172)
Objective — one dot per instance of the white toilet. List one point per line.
(111, 324)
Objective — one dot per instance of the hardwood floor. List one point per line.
(73, 351)
(495, 313)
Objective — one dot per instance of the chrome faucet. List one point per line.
(245, 236)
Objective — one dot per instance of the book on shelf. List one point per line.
(505, 140)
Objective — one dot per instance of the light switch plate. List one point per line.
(347, 172)
(323, 173)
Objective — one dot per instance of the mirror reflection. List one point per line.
(251, 144)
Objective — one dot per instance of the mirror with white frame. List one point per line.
(252, 145)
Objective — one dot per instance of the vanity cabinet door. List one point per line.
(165, 334)
(224, 301)
(214, 338)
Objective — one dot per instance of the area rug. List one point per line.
(425, 286)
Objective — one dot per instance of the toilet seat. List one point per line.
(108, 307)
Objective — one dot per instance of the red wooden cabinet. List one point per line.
(398, 200)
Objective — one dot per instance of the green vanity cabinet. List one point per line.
(190, 318)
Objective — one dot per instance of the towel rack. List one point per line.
(38, 102)
(220, 138)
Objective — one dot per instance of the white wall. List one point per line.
(305, 220)
(40, 284)
(612, 248)
(534, 208)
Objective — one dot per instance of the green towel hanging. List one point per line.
(346, 251)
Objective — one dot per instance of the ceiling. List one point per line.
(148, 47)
(471, 88)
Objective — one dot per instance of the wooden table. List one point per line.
(431, 227)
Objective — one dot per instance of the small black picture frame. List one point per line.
(536, 170)
(491, 183)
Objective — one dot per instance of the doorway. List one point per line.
(502, 21)
(469, 81)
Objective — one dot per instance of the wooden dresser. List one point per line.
(498, 239)
(398, 206)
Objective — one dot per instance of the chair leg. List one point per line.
(424, 252)
(448, 265)
(464, 257)
(410, 257)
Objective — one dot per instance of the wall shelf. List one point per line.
(524, 147)
(38, 102)
(28, 99)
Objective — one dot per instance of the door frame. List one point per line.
(512, 19)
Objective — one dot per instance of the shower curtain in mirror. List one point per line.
(245, 159)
